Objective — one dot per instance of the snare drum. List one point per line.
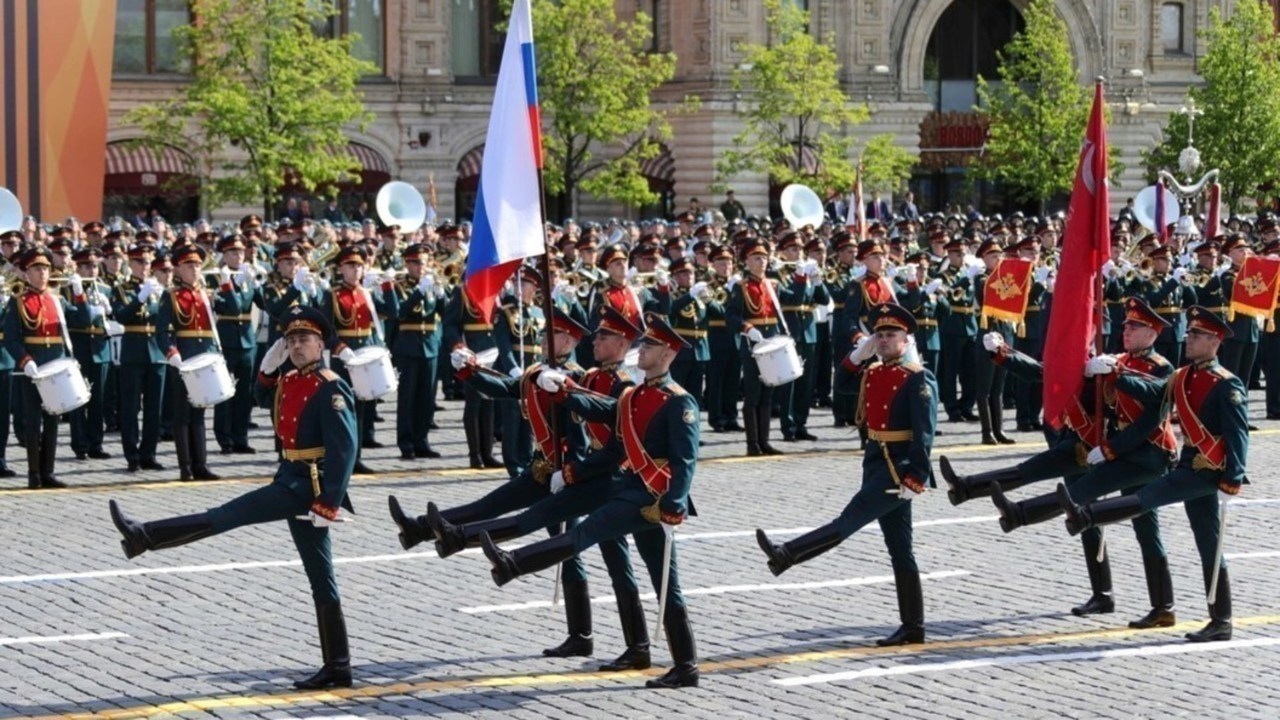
(61, 386)
(372, 374)
(778, 360)
(207, 380)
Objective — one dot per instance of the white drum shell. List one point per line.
(372, 374)
(61, 386)
(778, 360)
(207, 380)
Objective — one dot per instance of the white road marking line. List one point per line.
(724, 589)
(43, 639)
(1025, 659)
(1252, 555)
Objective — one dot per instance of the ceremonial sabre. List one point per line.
(666, 579)
(1217, 557)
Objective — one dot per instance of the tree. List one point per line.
(265, 82)
(885, 165)
(1239, 132)
(796, 108)
(595, 79)
(1037, 112)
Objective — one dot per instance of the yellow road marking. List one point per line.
(489, 474)
(338, 695)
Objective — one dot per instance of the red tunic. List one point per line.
(760, 304)
(292, 395)
(636, 408)
(42, 308)
(880, 387)
(623, 299)
(351, 310)
(191, 309)
(1129, 408)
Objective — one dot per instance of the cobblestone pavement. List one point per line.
(222, 627)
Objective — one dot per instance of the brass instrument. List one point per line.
(835, 271)
(647, 280)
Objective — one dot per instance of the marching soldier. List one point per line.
(184, 329)
(1138, 452)
(417, 301)
(518, 337)
(657, 431)
(35, 332)
(316, 429)
(91, 349)
(142, 361)
(1210, 472)
(233, 305)
(898, 407)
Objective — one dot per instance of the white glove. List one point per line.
(992, 341)
(661, 277)
(733, 282)
(317, 520)
(77, 285)
(96, 311)
(631, 274)
(274, 357)
(1096, 457)
(560, 291)
(557, 481)
(932, 286)
(300, 280)
(244, 276)
(973, 271)
(515, 373)
(1225, 497)
(224, 275)
(461, 357)
(907, 493)
(370, 280)
(863, 351)
(347, 355)
(175, 360)
(1050, 283)
(29, 369)
(114, 329)
(551, 380)
(427, 283)
(700, 292)
(149, 287)
(1222, 268)
(812, 269)
(754, 335)
(1042, 274)
(1100, 365)
(859, 272)
(890, 272)
(1179, 274)
(1109, 268)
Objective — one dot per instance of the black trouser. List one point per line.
(797, 395)
(1028, 396)
(957, 371)
(111, 398)
(190, 431)
(723, 374)
(86, 422)
(821, 367)
(688, 375)
(1238, 358)
(415, 401)
(41, 432)
(6, 400)
(1270, 352)
(231, 418)
(141, 388)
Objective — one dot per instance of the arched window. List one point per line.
(144, 37)
(1171, 29)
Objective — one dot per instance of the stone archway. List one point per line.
(915, 21)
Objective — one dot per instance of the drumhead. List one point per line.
(769, 345)
(369, 354)
(203, 360)
(53, 367)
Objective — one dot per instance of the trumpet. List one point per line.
(644, 280)
(381, 276)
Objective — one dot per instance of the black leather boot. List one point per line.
(507, 566)
(753, 432)
(1014, 515)
(1160, 591)
(469, 426)
(1219, 627)
(33, 462)
(997, 423)
(485, 438)
(182, 446)
(412, 530)
(984, 417)
(200, 454)
(684, 653)
(48, 455)
(577, 611)
(763, 422)
(910, 610)
(807, 546)
(336, 671)
(138, 538)
(1101, 601)
(455, 538)
(1100, 512)
(634, 632)
(962, 488)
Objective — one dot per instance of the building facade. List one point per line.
(913, 62)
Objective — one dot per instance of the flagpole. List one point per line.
(1099, 307)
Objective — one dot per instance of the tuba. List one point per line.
(802, 206)
(399, 203)
(10, 211)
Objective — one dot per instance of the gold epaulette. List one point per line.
(327, 374)
(1157, 359)
(912, 367)
(1222, 372)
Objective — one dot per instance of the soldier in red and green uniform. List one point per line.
(656, 432)
(898, 408)
(313, 411)
(35, 332)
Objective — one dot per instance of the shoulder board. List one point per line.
(618, 374)
(1157, 359)
(328, 375)
(675, 389)
(573, 367)
(1222, 372)
(912, 367)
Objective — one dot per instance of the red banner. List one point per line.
(1005, 294)
(1255, 290)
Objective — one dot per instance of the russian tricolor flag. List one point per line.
(508, 217)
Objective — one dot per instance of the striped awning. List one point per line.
(660, 167)
(371, 160)
(125, 159)
(469, 165)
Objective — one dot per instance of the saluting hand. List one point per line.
(274, 357)
(863, 351)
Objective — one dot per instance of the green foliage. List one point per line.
(1038, 111)
(793, 89)
(595, 79)
(263, 82)
(1239, 133)
(885, 166)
